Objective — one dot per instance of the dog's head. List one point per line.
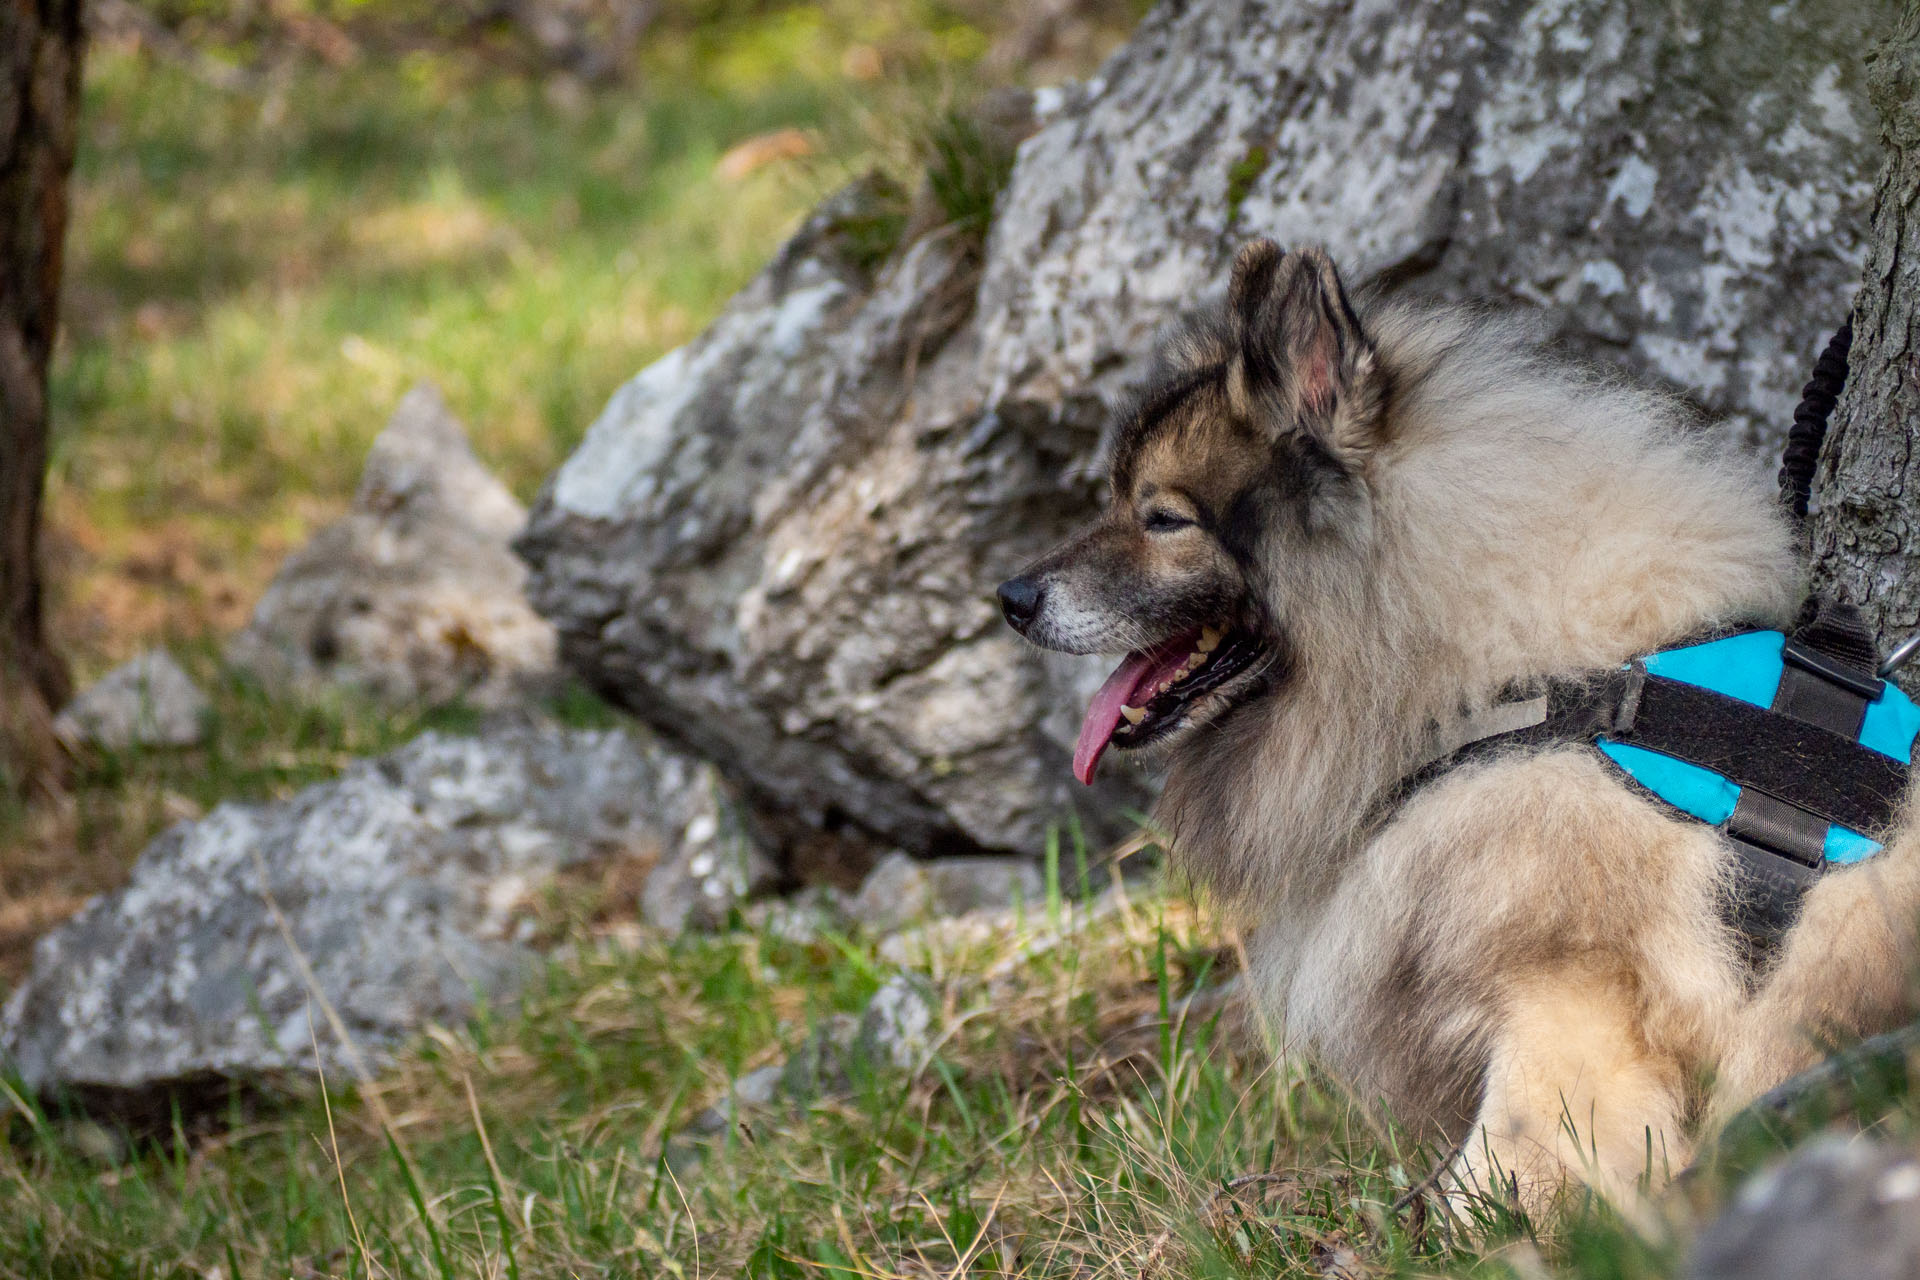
(1239, 496)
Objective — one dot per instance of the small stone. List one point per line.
(148, 702)
(802, 918)
(756, 1089)
(895, 893)
(715, 867)
(819, 1067)
(897, 1027)
(1837, 1207)
(961, 885)
(901, 890)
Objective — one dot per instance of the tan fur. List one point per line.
(1529, 955)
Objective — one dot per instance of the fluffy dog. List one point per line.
(1337, 534)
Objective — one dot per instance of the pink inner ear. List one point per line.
(1314, 374)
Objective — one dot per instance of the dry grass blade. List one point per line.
(333, 1148)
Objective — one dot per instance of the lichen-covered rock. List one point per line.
(1836, 1208)
(400, 884)
(901, 889)
(898, 1025)
(716, 864)
(414, 595)
(146, 702)
(801, 918)
(778, 544)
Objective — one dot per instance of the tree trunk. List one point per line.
(1866, 535)
(40, 51)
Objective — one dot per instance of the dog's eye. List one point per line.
(1160, 521)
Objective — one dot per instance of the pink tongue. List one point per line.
(1138, 671)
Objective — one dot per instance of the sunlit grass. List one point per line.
(285, 291)
(1086, 1106)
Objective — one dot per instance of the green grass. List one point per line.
(1074, 1115)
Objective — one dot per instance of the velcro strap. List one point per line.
(1803, 764)
(1775, 825)
(1763, 897)
(1814, 696)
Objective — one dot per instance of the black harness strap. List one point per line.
(1809, 767)
(1826, 679)
(1799, 765)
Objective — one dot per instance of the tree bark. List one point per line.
(1866, 534)
(41, 43)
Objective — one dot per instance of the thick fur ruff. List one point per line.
(1529, 956)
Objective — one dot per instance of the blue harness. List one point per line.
(1791, 745)
(1749, 667)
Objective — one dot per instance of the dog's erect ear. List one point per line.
(1302, 362)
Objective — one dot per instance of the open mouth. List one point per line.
(1148, 694)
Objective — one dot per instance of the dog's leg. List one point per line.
(1573, 1092)
(1844, 972)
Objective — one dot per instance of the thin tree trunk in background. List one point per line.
(1866, 538)
(41, 43)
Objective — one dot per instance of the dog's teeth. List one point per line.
(1209, 640)
(1134, 715)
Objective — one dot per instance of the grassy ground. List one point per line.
(1081, 1107)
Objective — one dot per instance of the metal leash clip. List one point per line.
(1900, 655)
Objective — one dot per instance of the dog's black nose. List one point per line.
(1020, 601)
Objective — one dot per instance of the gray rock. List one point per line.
(716, 864)
(896, 892)
(897, 1027)
(752, 1091)
(802, 917)
(778, 544)
(819, 1067)
(1849, 1210)
(901, 889)
(400, 884)
(961, 885)
(147, 702)
(414, 594)
(758, 1088)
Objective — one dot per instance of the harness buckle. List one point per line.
(1853, 679)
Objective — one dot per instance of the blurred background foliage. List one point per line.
(287, 212)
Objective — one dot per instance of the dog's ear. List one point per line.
(1302, 360)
